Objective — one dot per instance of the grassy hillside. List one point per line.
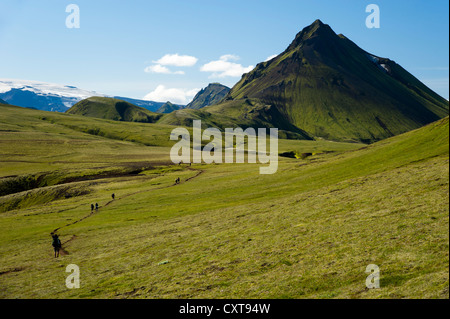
(308, 231)
(113, 109)
(57, 147)
(244, 115)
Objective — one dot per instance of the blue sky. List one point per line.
(169, 49)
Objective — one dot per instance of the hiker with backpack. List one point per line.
(56, 244)
(96, 206)
(92, 207)
(113, 196)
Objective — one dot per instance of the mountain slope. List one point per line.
(210, 95)
(113, 109)
(2, 102)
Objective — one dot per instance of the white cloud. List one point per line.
(157, 68)
(228, 57)
(223, 67)
(270, 57)
(177, 60)
(174, 95)
(160, 65)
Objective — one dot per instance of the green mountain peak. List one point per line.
(327, 86)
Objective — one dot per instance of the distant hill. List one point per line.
(324, 85)
(210, 95)
(2, 102)
(168, 108)
(113, 109)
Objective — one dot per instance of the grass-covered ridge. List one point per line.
(113, 109)
(308, 231)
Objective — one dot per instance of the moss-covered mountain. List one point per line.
(113, 109)
(168, 108)
(323, 84)
(212, 94)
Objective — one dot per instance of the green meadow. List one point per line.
(307, 231)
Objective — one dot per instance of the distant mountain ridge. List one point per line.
(42, 95)
(55, 97)
(210, 95)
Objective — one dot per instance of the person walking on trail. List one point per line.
(96, 206)
(113, 196)
(56, 244)
(92, 207)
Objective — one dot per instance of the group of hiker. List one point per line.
(96, 204)
(56, 243)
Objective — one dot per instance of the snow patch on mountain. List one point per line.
(376, 60)
(43, 88)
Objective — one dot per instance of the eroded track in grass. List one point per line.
(199, 171)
